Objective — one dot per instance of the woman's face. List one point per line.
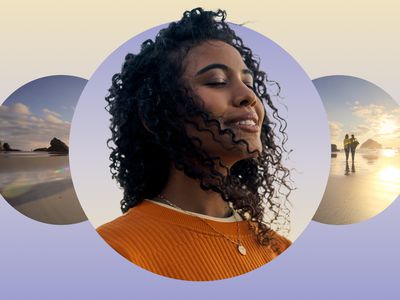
(217, 75)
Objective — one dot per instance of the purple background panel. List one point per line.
(39, 261)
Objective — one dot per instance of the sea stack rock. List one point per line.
(371, 144)
(334, 148)
(58, 146)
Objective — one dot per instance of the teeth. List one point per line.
(246, 122)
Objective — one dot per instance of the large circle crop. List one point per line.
(298, 102)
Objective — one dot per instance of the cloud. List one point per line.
(335, 128)
(19, 109)
(368, 111)
(53, 119)
(49, 112)
(25, 131)
(363, 128)
(377, 121)
(361, 133)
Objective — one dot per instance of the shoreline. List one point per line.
(41, 188)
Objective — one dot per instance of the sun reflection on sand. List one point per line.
(359, 191)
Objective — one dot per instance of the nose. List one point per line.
(244, 96)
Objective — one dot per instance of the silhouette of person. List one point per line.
(353, 145)
(347, 172)
(346, 146)
(353, 168)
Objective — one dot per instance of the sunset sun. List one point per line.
(388, 126)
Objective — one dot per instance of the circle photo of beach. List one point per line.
(297, 102)
(35, 122)
(365, 150)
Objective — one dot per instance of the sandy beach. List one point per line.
(39, 186)
(362, 191)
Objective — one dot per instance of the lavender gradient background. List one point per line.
(307, 130)
(39, 261)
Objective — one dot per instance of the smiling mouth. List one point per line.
(247, 123)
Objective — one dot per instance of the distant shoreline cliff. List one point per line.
(371, 144)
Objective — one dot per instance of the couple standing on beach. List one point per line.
(350, 145)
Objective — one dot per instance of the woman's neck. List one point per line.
(186, 193)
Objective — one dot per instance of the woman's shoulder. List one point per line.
(134, 217)
(122, 233)
(115, 225)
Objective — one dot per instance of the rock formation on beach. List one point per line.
(56, 146)
(371, 144)
(334, 148)
(6, 147)
(40, 149)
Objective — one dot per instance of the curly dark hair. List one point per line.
(150, 109)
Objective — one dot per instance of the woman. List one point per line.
(196, 155)
(353, 145)
(346, 146)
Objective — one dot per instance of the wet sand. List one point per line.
(39, 186)
(352, 197)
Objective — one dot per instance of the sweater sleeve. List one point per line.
(113, 238)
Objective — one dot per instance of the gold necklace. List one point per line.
(242, 250)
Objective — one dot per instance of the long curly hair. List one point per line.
(150, 109)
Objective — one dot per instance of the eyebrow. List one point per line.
(222, 67)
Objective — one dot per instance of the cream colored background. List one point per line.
(40, 38)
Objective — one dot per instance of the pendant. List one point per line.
(242, 249)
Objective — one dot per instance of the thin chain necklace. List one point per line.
(242, 250)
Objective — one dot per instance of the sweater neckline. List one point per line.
(163, 214)
(233, 218)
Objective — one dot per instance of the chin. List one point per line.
(254, 146)
(240, 153)
(230, 152)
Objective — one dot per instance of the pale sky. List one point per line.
(40, 110)
(356, 106)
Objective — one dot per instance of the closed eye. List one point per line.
(249, 85)
(216, 83)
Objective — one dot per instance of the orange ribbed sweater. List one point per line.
(182, 246)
